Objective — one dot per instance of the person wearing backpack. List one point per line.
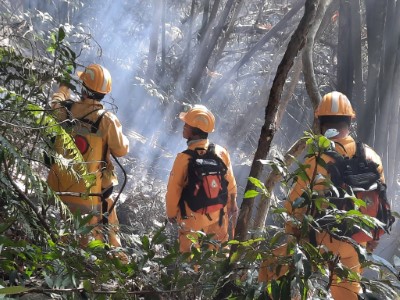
(97, 134)
(201, 191)
(334, 114)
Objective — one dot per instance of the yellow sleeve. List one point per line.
(62, 94)
(176, 182)
(117, 142)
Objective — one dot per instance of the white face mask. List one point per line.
(331, 133)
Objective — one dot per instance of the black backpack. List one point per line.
(207, 187)
(359, 177)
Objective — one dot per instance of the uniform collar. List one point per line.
(93, 102)
(344, 141)
(200, 143)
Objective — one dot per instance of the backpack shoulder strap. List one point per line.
(191, 153)
(94, 125)
(211, 148)
(360, 150)
(67, 104)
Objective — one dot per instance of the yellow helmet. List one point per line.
(96, 78)
(200, 117)
(335, 104)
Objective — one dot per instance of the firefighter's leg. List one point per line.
(342, 289)
(113, 229)
(113, 224)
(271, 268)
(185, 240)
(220, 232)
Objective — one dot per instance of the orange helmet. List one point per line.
(96, 78)
(335, 104)
(200, 117)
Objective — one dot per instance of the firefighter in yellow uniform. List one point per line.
(199, 121)
(334, 114)
(96, 143)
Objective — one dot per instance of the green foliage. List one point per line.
(35, 243)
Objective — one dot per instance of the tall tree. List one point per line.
(269, 128)
(154, 37)
(375, 22)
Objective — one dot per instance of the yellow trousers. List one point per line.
(220, 234)
(348, 257)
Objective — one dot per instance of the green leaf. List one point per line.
(61, 34)
(234, 257)
(96, 244)
(257, 183)
(251, 194)
(323, 142)
(146, 242)
(87, 285)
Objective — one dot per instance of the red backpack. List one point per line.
(358, 176)
(207, 188)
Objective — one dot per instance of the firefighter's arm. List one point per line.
(373, 156)
(62, 94)
(232, 207)
(117, 142)
(175, 186)
(232, 214)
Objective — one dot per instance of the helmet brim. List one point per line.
(182, 116)
(79, 73)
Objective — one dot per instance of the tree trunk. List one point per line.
(204, 21)
(345, 68)
(153, 47)
(386, 83)
(308, 65)
(269, 128)
(274, 30)
(313, 93)
(355, 38)
(393, 96)
(205, 50)
(221, 46)
(375, 19)
(294, 151)
(163, 45)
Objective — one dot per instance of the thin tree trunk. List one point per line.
(294, 151)
(269, 128)
(205, 50)
(375, 19)
(345, 68)
(221, 46)
(386, 83)
(186, 53)
(204, 21)
(274, 30)
(308, 64)
(393, 110)
(358, 94)
(153, 48)
(163, 45)
(313, 93)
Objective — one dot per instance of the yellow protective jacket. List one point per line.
(340, 289)
(348, 256)
(348, 149)
(178, 180)
(108, 139)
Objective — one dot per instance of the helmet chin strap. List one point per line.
(90, 94)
